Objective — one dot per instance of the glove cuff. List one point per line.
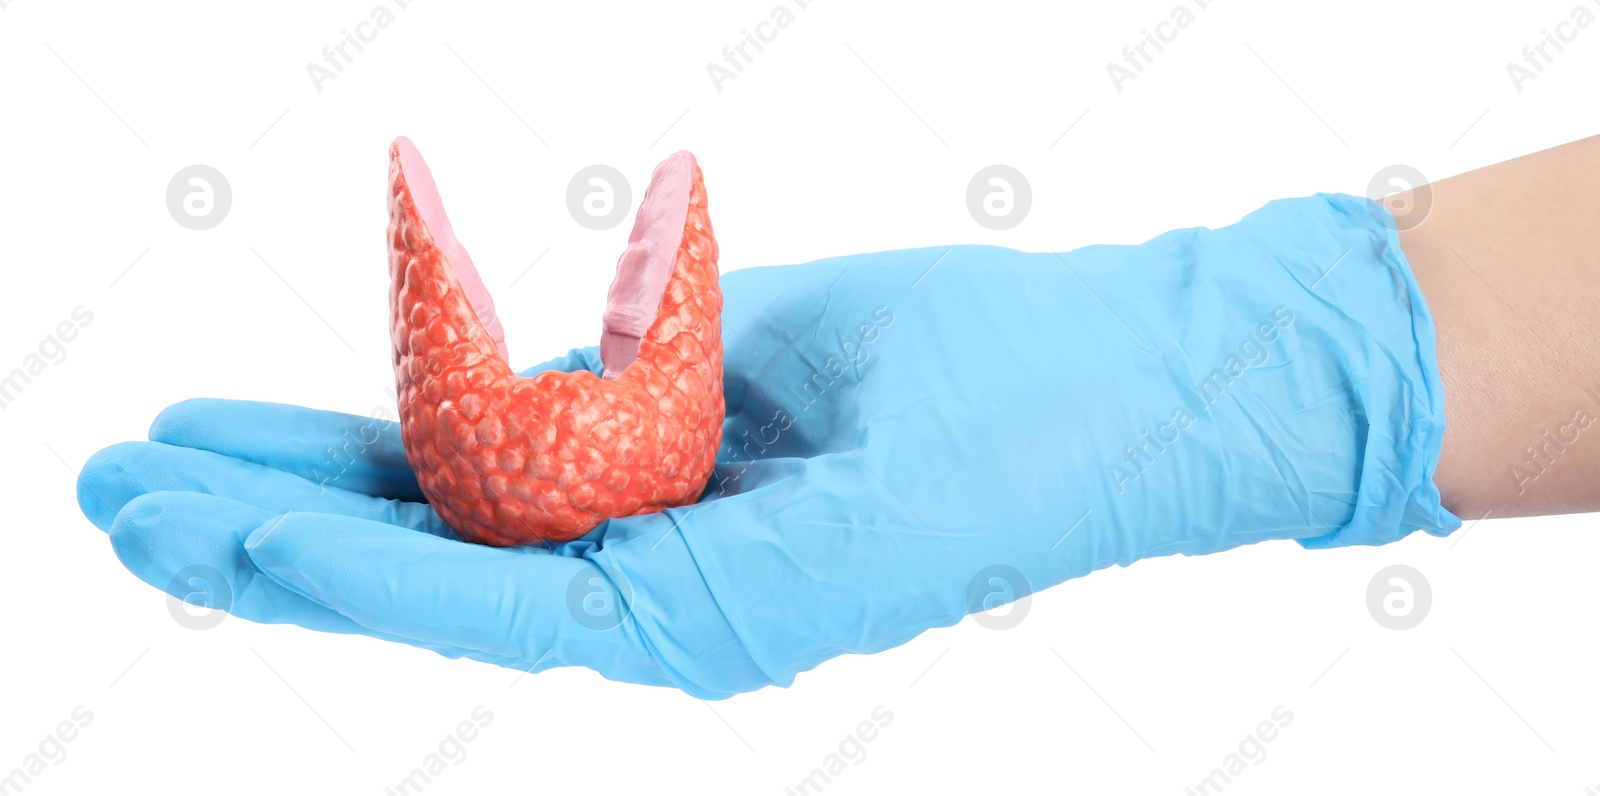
(1397, 495)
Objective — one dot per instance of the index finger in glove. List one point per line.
(351, 452)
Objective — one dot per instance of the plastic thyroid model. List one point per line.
(509, 460)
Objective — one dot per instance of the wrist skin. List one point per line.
(1508, 261)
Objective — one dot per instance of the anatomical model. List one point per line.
(507, 460)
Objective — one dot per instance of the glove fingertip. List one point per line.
(270, 545)
(96, 482)
(127, 530)
(179, 421)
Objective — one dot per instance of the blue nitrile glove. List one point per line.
(912, 436)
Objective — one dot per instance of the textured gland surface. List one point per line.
(506, 460)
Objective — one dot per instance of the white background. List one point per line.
(857, 129)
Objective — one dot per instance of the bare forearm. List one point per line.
(1507, 258)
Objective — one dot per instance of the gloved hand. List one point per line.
(912, 436)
